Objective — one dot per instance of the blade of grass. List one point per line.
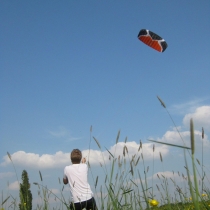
(5, 200)
(174, 145)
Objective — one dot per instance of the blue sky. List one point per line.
(68, 65)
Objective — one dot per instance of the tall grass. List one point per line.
(126, 184)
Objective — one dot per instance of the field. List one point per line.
(125, 187)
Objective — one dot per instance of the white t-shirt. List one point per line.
(77, 175)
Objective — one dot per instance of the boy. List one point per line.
(76, 175)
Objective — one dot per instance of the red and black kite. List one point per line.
(153, 40)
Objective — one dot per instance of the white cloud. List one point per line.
(59, 159)
(62, 133)
(14, 186)
(173, 137)
(183, 139)
(201, 118)
(97, 157)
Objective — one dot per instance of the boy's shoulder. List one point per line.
(67, 167)
(77, 165)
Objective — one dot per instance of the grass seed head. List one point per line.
(137, 161)
(161, 159)
(9, 156)
(131, 168)
(96, 182)
(124, 151)
(198, 161)
(162, 103)
(119, 160)
(40, 174)
(116, 176)
(118, 136)
(133, 157)
(97, 142)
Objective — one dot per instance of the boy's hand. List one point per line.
(83, 160)
(65, 180)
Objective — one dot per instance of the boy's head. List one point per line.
(76, 156)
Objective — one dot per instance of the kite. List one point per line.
(153, 40)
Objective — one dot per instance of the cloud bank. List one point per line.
(201, 118)
(95, 157)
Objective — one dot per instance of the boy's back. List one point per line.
(77, 177)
